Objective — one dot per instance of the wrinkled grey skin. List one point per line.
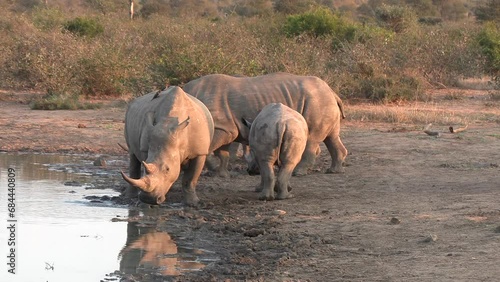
(230, 99)
(164, 131)
(278, 135)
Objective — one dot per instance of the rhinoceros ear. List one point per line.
(246, 122)
(183, 124)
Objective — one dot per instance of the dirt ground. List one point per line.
(410, 207)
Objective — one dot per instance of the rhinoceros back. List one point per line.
(230, 99)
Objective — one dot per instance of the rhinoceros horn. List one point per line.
(150, 168)
(142, 183)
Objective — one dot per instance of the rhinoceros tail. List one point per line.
(280, 130)
(341, 106)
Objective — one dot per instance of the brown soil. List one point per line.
(410, 207)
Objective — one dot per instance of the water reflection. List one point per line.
(150, 251)
(41, 166)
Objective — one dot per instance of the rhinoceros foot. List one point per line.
(191, 200)
(338, 169)
(224, 173)
(283, 196)
(299, 172)
(265, 196)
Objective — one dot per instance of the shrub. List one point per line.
(396, 18)
(61, 102)
(320, 22)
(489, 11)
(47, 18)
(391, 89)
(84, 27)
(489, 40)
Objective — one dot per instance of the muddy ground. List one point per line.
(410, 207)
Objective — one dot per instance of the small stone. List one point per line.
(430, 238)
(395, 220)
(100, 161)
(254, 232)
(81, 125)
(279, 212)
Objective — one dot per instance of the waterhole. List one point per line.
(64, 234)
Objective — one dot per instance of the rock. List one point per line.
(81, 125)
(430, 238)
(279, 212)
(100, 161)
(72, 183)
(395, 221)
(254, 232)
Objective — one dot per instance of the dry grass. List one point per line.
(424, 113)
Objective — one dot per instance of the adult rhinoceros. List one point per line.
(230, 99)
(165, 130)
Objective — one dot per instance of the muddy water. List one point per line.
(62, 236)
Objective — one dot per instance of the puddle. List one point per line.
(62, 236)
(149, 251)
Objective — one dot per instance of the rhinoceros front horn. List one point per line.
(142, 183)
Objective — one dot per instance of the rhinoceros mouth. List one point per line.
(151, 199)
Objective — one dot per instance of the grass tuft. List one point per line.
(53, 102)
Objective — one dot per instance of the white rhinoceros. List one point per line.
(278, 135)
(165, 130)
(230, 99)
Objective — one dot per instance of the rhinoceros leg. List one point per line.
(220, 147)
(337, 151)
(134, 172)
(267, 180)
(289, 160)
(308, 159)
(223, 154)
(190, 179)
(284, 175)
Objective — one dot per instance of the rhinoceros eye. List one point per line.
(166, 168)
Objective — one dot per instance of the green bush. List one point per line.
(320, 22)
(489, 40)
(390, 89)
(85, 27)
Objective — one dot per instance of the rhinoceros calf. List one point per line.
(277, 135)
(230, 99)
(165, 130)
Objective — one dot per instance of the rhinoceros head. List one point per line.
(165, 151)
